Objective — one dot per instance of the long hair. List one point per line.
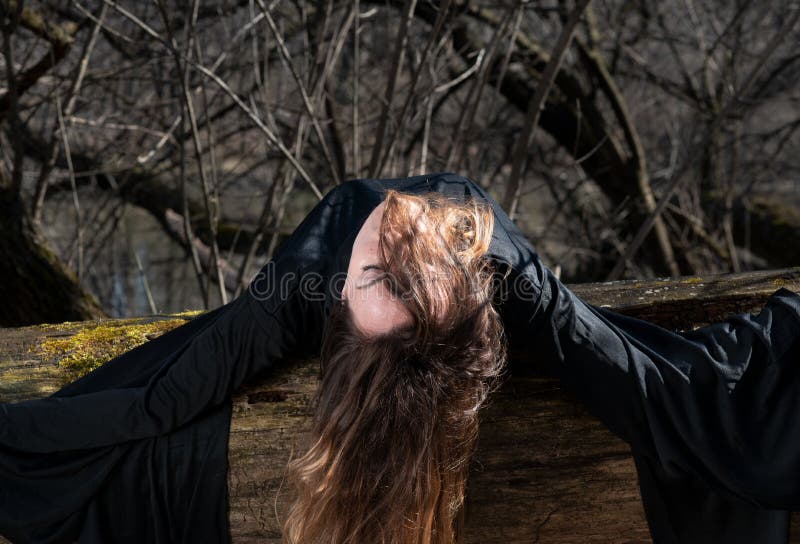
(396, 415)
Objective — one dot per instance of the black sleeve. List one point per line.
(168, 381)
(710, 414)
(199, 373)
(136, 451)
(716, 402)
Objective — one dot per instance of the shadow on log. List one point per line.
(545, 471)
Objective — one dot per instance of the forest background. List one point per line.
(153, 154)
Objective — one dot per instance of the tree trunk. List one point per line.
(770, 227)
(545, 471)
(35, 287)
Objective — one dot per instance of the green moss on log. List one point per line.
(90, 347)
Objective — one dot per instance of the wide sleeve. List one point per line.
(240, 342)
(710, 414)
(170, 380)
(136, 450)
(716, 402)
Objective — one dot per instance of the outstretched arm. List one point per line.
(191, 373)
(150, 427)
(168, 381)
(718, 403)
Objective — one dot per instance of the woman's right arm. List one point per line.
(168, 381)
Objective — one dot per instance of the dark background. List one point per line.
(123, 123)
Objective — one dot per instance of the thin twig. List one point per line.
(72, 94)
(211, 204)
(287, 182)
(433, 36)
(356, 75)
(594, 60)
(467, 116)
(394, 74)
(520, 153)
(287, 58)
(145, 284)
(273, 139)
(75, 200)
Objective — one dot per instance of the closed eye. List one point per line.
(367, 268)
(385, 277)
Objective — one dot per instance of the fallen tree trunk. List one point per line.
(545, 470)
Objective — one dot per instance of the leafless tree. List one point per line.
(626, 138)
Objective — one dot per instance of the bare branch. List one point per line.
(729, 108)
(395, 67)
(520, 153)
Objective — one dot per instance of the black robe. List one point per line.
(136, 451)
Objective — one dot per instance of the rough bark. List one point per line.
(545, 470)
(35, 286)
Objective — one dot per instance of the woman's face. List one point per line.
(375, 309)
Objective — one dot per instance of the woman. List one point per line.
(708, 413)
(409, 354)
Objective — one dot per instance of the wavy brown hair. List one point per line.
(396, 415)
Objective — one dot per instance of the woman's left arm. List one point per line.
(719, 402)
